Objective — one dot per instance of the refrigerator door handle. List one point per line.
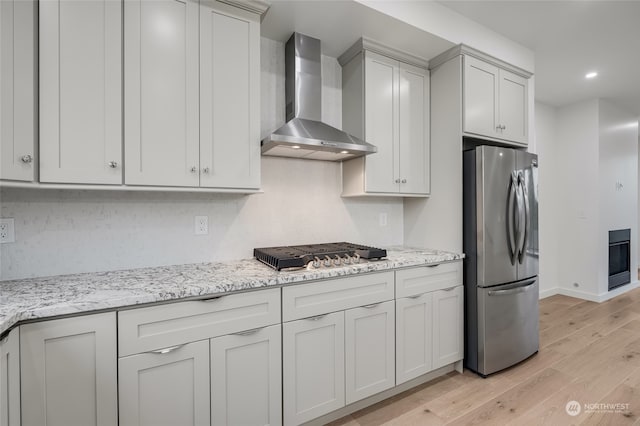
(511, 199)
(527, 218)
(520, 217)
(525, 286)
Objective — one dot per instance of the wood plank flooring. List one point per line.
(589, 352)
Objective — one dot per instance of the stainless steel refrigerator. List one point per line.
(501, 264)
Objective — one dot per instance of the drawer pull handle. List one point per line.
(433, 266)
(210, 299)
(417, 296)
(247, 332)
(373, 305)
(316, 318)
(167, 350)
(450, 288)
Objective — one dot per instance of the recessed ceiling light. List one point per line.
(344, 152)
(591, 74)
(295, 146)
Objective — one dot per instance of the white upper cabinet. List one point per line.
(161, 92)
(414, 130)
(17, 89)
(513, 106)
(229, 97)
(495, 102)
(81, 91)
(381, 81)
(386, 103)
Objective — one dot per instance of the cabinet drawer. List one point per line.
(145, 329)
(303, 301)
(410, 282)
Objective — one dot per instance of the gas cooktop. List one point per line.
(316, 255)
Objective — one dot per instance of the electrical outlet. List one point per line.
(201, 225)
(382, 219)
(7, 231)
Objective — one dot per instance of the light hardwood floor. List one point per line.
(589, 352)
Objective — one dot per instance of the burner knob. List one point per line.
(346, 259)
(317, 262)
(327, 261)
(337, 261)
(356, 258)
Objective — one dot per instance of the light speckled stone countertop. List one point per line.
(38, 298)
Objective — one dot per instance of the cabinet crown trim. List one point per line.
(365, 43)
(256, 6)
(463, 49)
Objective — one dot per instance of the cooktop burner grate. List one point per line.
(329, 254)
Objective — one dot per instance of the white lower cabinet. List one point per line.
(209, 362)
(68, 371)
(166, 387)
(10, 379)
(448, 328)
(414, 326)
(369, 350)
(313, 360)
(246, 378)
(429, 319)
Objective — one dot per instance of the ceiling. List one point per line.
(339, 24)
(571, 38)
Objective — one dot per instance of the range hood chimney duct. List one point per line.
(304, 135)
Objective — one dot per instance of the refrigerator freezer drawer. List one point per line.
(507, 325)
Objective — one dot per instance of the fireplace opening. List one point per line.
(619, 258)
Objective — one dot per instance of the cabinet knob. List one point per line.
(404, 181)
(194, 169)
(397, 180)
(26, 159)
(205, 170)
(504, 127)
(113, 164)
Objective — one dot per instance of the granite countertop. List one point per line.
(38, 298)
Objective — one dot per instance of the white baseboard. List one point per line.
(548, 292)
(602, 297)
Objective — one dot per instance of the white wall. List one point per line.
(60, 232)
(618, 159)
(584, 149)
(549, 197)
(578, 207)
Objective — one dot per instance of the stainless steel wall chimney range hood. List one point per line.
(304, 135)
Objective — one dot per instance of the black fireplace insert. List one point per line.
(619, 258)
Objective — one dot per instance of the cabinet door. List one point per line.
(382, 172)
(68, 371)
(229, 97)
(165, 387)
(414, 337)
(448, 332)
(480, 100)
(513, 107)
(161, 92)
(10, 379)
(81, 91)
(246, 380)
(414, 130)
(17, 89)
(369, 350)
(313, 367)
